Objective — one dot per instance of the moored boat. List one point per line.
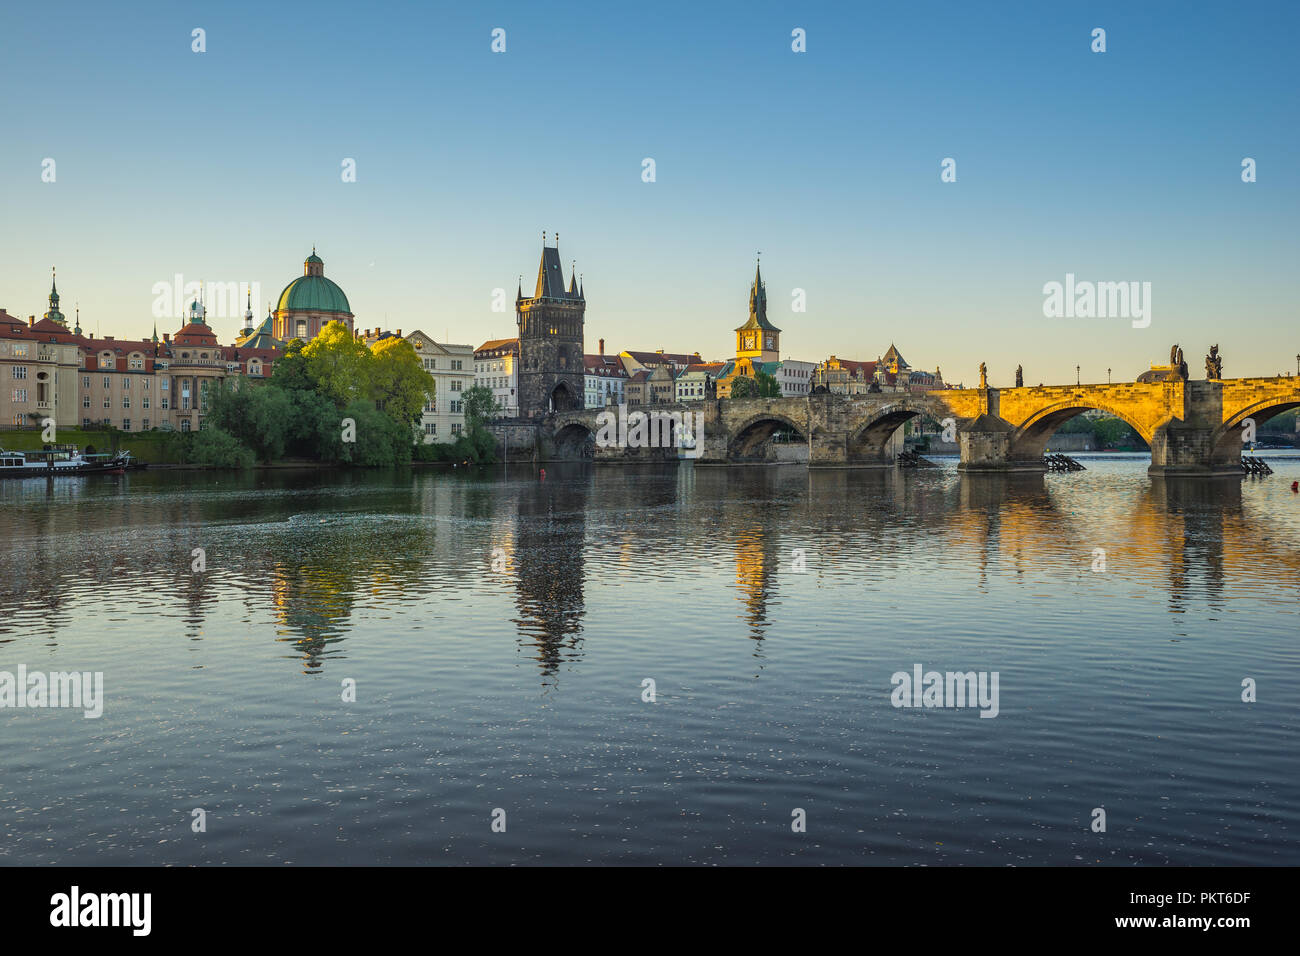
(56, 461)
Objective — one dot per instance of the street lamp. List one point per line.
(1297, 364)
(1076, 376)
(1107, 376)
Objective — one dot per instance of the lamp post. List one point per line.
(1297, 364)
(1107, 376)
(1076, 376)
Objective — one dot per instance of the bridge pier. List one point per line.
(988, 444)
(1180, 449)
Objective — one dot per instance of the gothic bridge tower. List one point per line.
(550, 340)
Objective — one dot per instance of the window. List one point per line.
(185, 424)
(145, 424)
(431, 428)
(20, 351)
(126, 424)
(85, 381)
(456, 365)
(126, 381)
(85, 401)
(18, 418)
(108, 382)
(20, 371)
(456, 429)
(20, 395)
(185, 403)
(126, 401)
(108, 402)
(302, 328)
(457, 407)
(144, 402)
(85, 423)
(162, 385)
(137, 362)
(455, 386)
(164, 406)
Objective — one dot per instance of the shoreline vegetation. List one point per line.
(333, 401)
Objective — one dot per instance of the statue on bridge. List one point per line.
(1213, 364)
(1176, 362)
(984, 375)
(1020, 376)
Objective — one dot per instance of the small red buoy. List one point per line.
(1295, 486)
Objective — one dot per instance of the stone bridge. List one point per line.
(1193, 427)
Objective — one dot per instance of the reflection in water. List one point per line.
(548, 565)
(451, 596)
(313, 547)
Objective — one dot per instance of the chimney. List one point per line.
(31, 320)
(602, 346)
(167, 336)
(399, 333)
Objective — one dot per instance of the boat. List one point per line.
(56, 461)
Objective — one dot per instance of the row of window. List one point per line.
(456, 365)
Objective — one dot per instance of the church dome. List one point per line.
(312, 292)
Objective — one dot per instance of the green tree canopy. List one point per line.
(339, 364)
(480, 407)
(398, 382)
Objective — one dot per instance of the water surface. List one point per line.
(499, 629)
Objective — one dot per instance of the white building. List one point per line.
(604, 379)
(692, 381)
(794, 377)
(496, 367)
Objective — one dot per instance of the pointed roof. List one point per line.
(893, 356)
(758, 306)
(550, 275)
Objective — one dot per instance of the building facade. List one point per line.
(496, 367)
(604, 379)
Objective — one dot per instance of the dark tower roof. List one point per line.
(758, 305)
(550, 276)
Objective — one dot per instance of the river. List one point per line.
(503, 631)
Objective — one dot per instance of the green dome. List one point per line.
(313, 294)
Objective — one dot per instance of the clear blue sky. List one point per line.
(225, 166)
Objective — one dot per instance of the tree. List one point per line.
(768, 386)
(217, 448)
(379, 439)
(761, 385)
(258, 416)
(339, 364)
(290, 370)
(399, 384)
(480, 406)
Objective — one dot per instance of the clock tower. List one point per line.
(758, 339)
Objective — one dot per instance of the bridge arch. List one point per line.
(1226, 439)
(866, 439)
(1033, 434)
(574, 439)
(757, 430)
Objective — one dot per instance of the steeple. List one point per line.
(573, 280)
(154, 337)
(77, 329)
(248, 312)
(54, 315)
